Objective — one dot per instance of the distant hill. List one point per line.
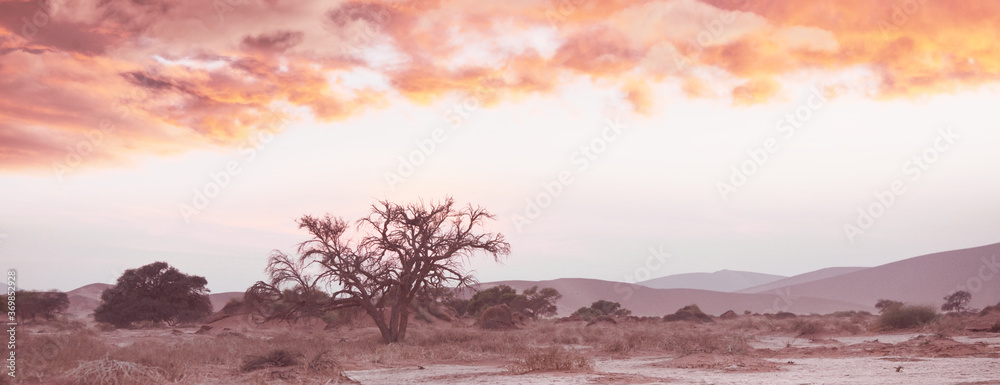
(802, 278)
(923, 280)
(83, 300)
(645, 301)
(722, 280)
(219, 299)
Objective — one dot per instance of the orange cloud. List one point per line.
(193, 75)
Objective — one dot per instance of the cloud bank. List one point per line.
(110, 80)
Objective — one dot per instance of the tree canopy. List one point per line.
(602, 307)
(401, 252)
(957, 301)
(41, 303)
(155, 292)
(532, 302)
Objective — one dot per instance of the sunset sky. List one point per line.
(771, 136)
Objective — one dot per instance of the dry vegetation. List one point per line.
(64, 352)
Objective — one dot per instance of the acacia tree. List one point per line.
(44, 303)
(957, 301)
(400, 253)
(155, 292)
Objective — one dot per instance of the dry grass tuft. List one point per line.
(807, 327)
(42, 355)
(278, 358)
(700, 342)
(552, 359)
(111, 372)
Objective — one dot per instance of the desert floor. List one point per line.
(745, 350)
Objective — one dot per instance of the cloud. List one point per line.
(276, 42)
(201, 75)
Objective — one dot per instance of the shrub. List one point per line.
(852, 314)
(905, 316)
(784, 315)
(599, 308)
(807, 327)
(586, 313)
(552, 359)
(497, 317)
(884, 304)
(688, 313)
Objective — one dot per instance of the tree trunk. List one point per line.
(379, 317)
(404, 318)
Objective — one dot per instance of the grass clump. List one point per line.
(41, 355)
(278, 358)
(698, 342)
(111, 372)
(905, 317)
(807, 328)
(552, 359)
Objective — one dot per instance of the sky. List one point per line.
(618, 140)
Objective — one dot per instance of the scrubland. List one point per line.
(745, 349)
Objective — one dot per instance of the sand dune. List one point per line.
(644, 301)
(722, 280)
(801, 278)
(219, 299)
(925, 279)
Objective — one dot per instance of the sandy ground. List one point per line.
(884, 359)
(651, 370)
(776, 358)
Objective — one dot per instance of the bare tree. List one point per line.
(401, 252)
